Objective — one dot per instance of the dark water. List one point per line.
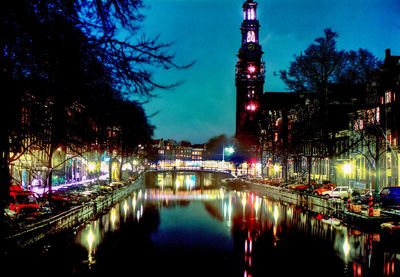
(188, 225)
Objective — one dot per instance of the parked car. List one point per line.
(341, 192)
(23, 202)
(361, 196)
(297, 185)
(390, 197)
(305, 188)
(323, 188)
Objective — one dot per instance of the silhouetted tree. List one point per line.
(66, 52)
(310, 75)
(214, 147)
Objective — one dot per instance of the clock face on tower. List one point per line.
(251, 47)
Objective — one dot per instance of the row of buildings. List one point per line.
(360, 146)
(50, 147)
(170, 151)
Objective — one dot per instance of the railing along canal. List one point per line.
(73, 217)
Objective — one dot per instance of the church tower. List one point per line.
(249, 77)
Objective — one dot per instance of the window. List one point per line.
(251, 68)
(251, 14)
(359, 124)
(373, 116)
(251, 36)
(250, 94)
(388, 96)
(389, 163)
(389, 138)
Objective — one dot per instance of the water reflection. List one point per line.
(178, 218)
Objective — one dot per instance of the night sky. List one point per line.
(208, 32)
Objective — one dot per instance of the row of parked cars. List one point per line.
(386, 197)
(30, 205)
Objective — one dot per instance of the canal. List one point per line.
(191, 224)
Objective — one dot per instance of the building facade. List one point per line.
(170, 152)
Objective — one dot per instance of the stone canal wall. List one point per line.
(73, 217)
(330, 207)
(312, 203)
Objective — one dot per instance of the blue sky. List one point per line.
(208, 32)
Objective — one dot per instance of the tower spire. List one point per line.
(249, 76)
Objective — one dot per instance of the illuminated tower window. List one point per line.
(251, 14)
(251, 36)
(251, 68)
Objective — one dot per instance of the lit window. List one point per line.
(251, 68)
(359, 124)
(251, 14)
(251, 36)
(377, 115)
(388, 97)
(251, 107)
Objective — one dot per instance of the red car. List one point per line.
(326, 187)
(23, 202)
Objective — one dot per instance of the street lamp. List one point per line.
(347, 168)
(276, 170)
(92, 167)
(229, 150)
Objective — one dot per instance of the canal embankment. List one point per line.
(31, 232)
(329, 207)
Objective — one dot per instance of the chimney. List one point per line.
(387, 53)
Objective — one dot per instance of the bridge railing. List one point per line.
(192, 168)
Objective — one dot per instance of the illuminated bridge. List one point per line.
(192, 168)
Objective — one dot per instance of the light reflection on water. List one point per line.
(249, 234)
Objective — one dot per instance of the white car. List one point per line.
(339, 192)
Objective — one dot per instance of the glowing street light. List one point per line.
(347, 168)
(229, 150)
(91, 166)
(277, 168)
